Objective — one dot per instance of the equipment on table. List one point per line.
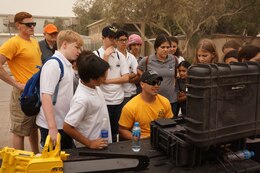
(52, 160)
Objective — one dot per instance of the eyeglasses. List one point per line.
(122, 40)
(153, 83)
(29, 24)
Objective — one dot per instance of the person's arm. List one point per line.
(74, 133)
(49, 115)
(119, 80)
(125, 132)
(6, 77)
(134, 78)
(108, 52)
(139, 72)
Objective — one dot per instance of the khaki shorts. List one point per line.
(21, 124)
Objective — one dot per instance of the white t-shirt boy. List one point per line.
(87, 110)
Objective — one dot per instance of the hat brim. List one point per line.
(51, 32)
(153, 78)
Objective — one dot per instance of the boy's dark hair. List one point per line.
(248, 52)
(121, 33)
(90, 66)
(160, 40)
(231, 44)
(232, 53)
(185, 64)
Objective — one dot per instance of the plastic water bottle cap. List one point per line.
(136, 124)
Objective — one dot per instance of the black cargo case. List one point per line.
(222, 103)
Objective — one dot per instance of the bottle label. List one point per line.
(104, 134)
(136, 133)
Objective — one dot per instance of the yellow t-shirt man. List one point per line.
(137, 110)
(23, 57)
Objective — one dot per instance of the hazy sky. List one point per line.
(61, 8)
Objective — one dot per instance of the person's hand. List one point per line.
(181, 94)
(53, 134)
(108, 52)
(20, 86)
(98, 144)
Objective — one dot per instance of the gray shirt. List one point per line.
(46, 50)
(165, 69)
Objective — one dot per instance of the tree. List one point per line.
(59, 22)
(87, 11)
(190, 16)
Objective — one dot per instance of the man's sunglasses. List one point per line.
(29, 24)
(153, 83)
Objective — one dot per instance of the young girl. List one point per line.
(181, 85)
(175, 50)
(206, 52)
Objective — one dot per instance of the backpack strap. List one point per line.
(98, 53)
(117, 55)
(176, 65)
(146, 62)
(54, 98)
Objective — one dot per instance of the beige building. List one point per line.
(95, 31)
(7, 27)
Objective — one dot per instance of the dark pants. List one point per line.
(175, 108)
(66, 141)
(114, 112)
(126, 99)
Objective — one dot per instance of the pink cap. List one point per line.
(134, 39)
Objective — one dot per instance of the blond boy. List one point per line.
(51, 117)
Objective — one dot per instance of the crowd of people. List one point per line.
(114, 82)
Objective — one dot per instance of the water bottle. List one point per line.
(104, 130)
(239, 155)
(136, 134)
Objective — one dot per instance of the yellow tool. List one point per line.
(19, 161)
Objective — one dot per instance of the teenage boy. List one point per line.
(145, 107)
(88, 106)
(23, 55)
(135, 43)
(121, 38)
(51, 117)
(117, 75)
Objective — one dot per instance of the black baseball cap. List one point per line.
(109, 31)
(150, 76)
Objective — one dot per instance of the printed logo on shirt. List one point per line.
(161, 113)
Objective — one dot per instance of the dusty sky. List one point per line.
(62, 8)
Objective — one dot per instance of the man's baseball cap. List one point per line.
(150, 76)
(50, 28)
(109, 31)
(135, 39)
